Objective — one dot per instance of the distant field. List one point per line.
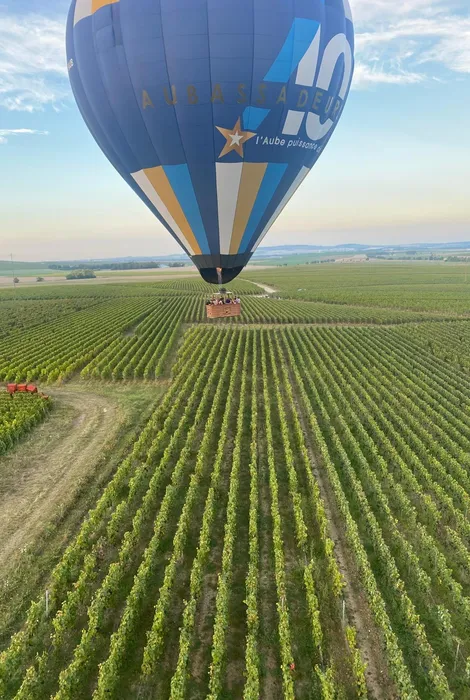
(296, 259)
(21, 269)
(56, 277)
(316, 258)
(416, 286)
(274, 506)
(26, 267)
(27, 272)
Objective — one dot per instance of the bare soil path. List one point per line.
(40, 475)
(53, 476)
(268, 290)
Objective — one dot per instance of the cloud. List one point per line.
(33, 73)
(398, 42)
(4, 133)
(383, 10)
(373, 74)
(410, 42)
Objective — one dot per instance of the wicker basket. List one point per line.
(223, 310)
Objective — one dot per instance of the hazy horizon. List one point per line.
(158, 254)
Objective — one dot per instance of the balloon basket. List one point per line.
(223, 305)
(223, 310)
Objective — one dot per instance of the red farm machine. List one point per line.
(25, 389)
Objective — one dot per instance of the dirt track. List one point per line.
(40, 476)
(268, 290)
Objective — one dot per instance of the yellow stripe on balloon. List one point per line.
(162, 187)
(251, 179)
(98, 4)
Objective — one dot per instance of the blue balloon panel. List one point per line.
(213, 111)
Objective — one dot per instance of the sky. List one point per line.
(397, 169)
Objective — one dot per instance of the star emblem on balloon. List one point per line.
(236, 138)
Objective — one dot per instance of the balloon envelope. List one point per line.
(213, 111)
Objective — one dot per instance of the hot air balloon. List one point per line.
(213, 111)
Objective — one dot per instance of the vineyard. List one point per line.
(265, 310)
(131, 338)
(190, 285)
(450, 341)
(18, 415)
(442, 288)
(19, 316)
(290, 520)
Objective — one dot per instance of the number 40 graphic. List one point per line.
(293, 55)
